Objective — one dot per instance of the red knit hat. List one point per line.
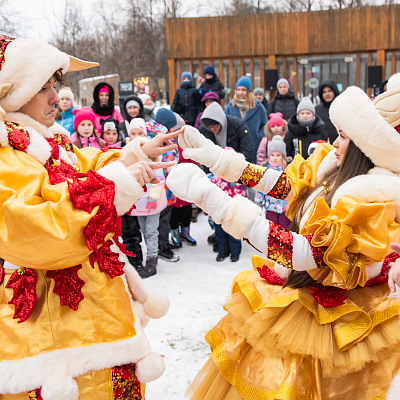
(85, 113)
(276, 119)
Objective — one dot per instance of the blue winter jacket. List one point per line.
(255, 119)
(67, 121)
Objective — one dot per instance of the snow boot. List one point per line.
(167, 254)
(149, 269)
(185, 235)
(176, 238)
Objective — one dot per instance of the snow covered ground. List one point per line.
(197, 286)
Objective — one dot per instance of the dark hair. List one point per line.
(355, 163)
(59, 76)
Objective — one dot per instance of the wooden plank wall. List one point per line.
(319, 32)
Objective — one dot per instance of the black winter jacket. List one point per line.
(298, 138)
(217, 86)
(122, 127)
(238, 136)
(322, 110)
(285, 104)
(187, 103)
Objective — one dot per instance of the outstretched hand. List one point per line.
(394, 273)
(144, 171)
(161, 144)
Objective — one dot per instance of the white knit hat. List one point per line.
(26, 65)
(354, 113)
(138, 123)
(66, 92)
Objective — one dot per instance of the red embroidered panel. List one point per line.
(328, 296)
(125, 384)
(18, 136)
(280, 245)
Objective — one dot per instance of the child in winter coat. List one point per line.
(304, 128)
(84, 130)
(275, 208)
(109, 133)
(234, 245)
(276, 126)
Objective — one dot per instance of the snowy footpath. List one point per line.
(197, 286)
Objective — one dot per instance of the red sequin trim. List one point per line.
(64, 142)
(270, 276)
(2, 275)
(35, 395)
(397, 128)
(55, 150)
(60, 173)
(4, 42)
(68, 286)
(87, 194)
(280, 245)
(23, 283)
(251, 175)
(108, 260)
(281, 188)
(384, 274)
(317, 252)
(328, 296)
(125, 385)
(18, 136)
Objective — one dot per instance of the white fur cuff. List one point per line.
(127, 188)
(240, 214)
(229, 165)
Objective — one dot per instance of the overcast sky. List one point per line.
(37, 16)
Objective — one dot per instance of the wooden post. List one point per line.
(231, 83)
(381, 60)
(191, 66)
(369, 63)
(241, 67)
(180, 64)
(262, 72)
(295, 77)
(252, 72)
(284, 65)
(271, 65)
(171, 79)
(358, 70)
(393, 69)
(221, 76)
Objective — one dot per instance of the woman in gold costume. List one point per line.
(313, 320)
(69, 328)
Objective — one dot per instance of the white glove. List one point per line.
(227, 164)
(190, 183)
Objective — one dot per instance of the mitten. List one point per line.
(190, 183)
(226, 164)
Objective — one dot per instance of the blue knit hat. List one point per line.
(244, 81)
(186, 74)
(166, 117)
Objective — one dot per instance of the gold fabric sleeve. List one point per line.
(38, 218)
(355, 234)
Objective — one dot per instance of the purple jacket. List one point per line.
(208, 95)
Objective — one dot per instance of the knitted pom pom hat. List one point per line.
(26, 65)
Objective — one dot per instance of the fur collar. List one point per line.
(38, 148)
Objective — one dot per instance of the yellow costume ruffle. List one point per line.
(281, 344)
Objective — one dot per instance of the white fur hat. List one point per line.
(388, 103)
(355, 114)
(26, 65)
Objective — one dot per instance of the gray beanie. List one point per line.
(305, 104)
(277, 144)
(282, 80)
(258, 91)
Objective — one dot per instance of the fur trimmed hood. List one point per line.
(355, 114)
(28, 65)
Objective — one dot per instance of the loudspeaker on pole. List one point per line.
(374, 76)
(270, 79)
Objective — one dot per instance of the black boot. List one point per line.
(149, 269)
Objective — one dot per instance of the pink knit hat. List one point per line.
(85, 113)
(276, 119)
(104, 89)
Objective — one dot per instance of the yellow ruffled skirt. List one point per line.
(282, 344)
